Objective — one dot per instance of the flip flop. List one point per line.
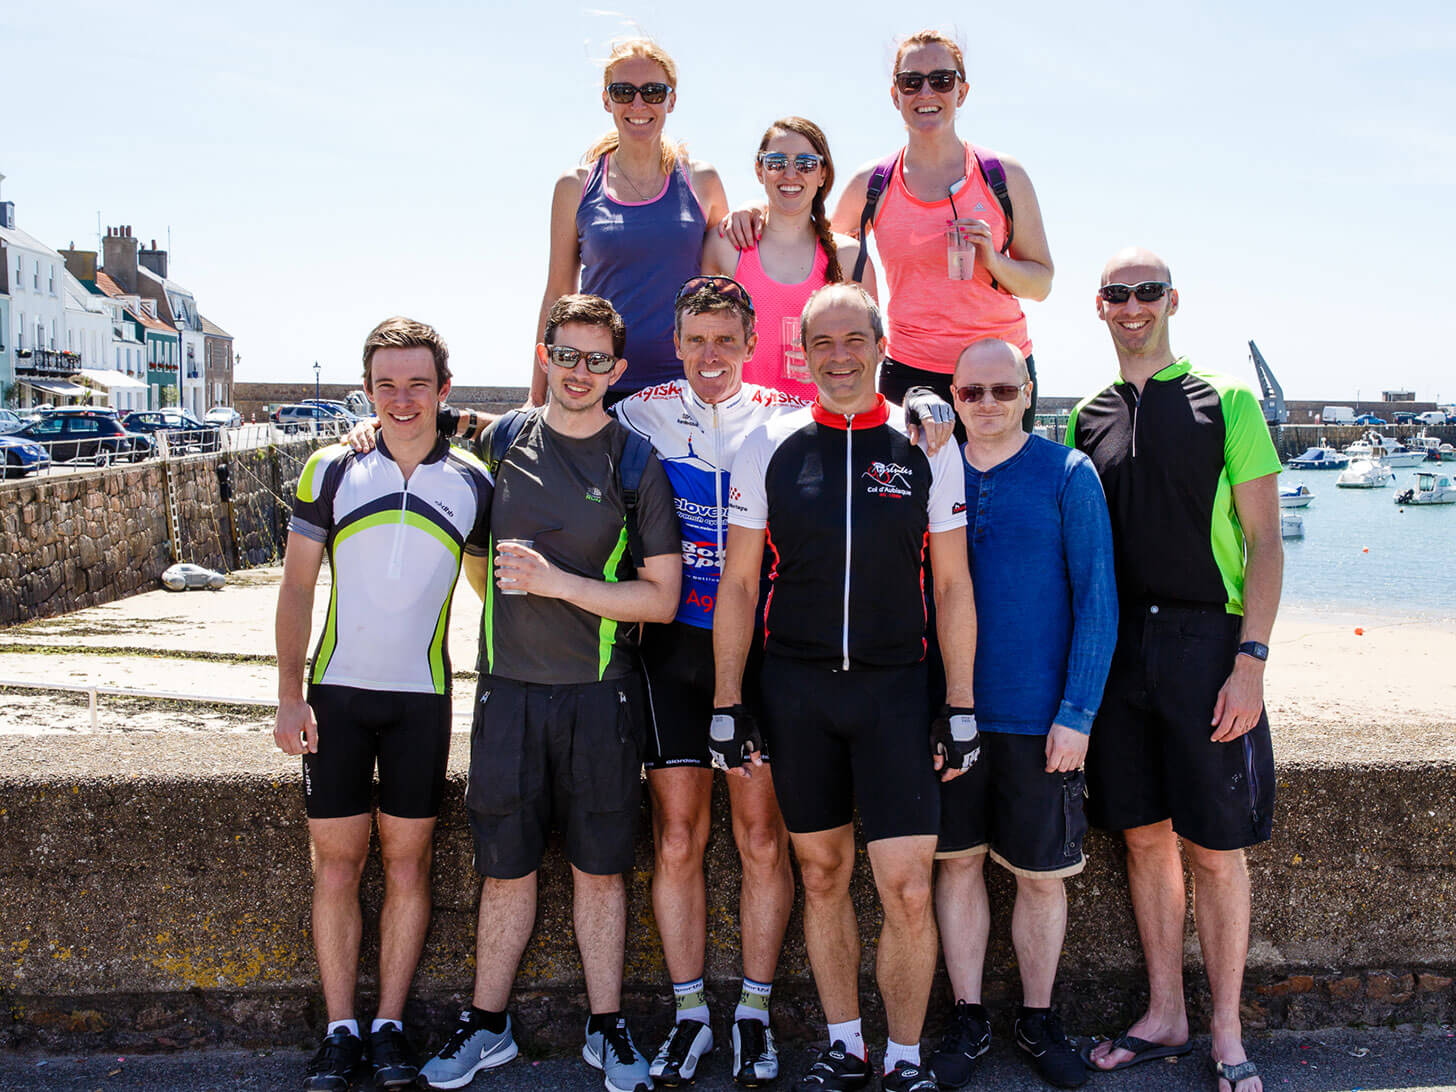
(1240, 1071)
(1142, 1051)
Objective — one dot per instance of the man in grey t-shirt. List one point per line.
(559, 714)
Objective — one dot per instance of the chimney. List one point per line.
(81, 264)
(120, 259)
(7, 211)
(154, 259)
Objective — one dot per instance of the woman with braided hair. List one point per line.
(796, 254)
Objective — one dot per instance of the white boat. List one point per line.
(1365, 474)
(1319, 458)
(1291, 525)
(1431, 487)
(1434, 450)
(1387, 449)
(1295, 496)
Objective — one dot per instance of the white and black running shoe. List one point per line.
(1052, 1054)
(677, 1061)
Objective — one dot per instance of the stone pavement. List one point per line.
(1343, 1061)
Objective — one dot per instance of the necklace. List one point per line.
(642, 195)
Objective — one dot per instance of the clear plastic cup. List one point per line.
(795, 364)
(960, 252)
(503, 585)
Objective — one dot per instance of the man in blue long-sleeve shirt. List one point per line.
(1040, 549)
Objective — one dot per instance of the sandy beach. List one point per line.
(217, 648)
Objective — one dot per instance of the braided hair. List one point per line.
(817, 216)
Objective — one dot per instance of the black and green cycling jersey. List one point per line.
(1169, 459)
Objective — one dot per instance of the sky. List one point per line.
(323, 165)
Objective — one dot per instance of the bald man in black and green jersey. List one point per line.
(1181, 747)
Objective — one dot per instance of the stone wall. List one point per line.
(74, 540)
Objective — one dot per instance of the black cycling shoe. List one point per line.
(1052, 1054)
(908, 1077)
(969, 1036)
(835, 1070)
(392, 1058)
(333, 1068)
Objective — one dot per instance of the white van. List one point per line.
(1338, 415)
(1431, 417)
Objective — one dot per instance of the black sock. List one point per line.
(601, 1021)
(977, 1010)
(1026, 1011)
(493, 1022)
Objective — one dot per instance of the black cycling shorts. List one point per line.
(1151, 757)
(568, 755)
(1031, 821)
(896, 379)
(843, 739)
(406, 734)
(679, 668)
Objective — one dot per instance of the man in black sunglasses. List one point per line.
(1180, 747)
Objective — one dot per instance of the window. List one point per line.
(19, 273)
(53, 280)
(35, 279)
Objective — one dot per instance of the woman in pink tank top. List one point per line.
(797, 253)
(935, 310)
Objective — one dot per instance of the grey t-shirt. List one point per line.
(564, 494)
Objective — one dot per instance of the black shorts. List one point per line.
(569, 755)
(851, 738)
(679, 669)
(1031, 821)
(897, 378)
(1151, 758)
(408, 735)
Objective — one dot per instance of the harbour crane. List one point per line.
(1273, 400)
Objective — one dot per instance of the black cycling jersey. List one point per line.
(1169, 459)
(847, 504)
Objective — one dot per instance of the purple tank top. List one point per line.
(637, 254)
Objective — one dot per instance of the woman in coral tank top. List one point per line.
(936, 309)
(796, 254)
(628, 224)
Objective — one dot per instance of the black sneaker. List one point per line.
(392, 1058)
(333, 1067)
(1052, 1054)
(908, 1077)
(968, 1037)
(835, 1070)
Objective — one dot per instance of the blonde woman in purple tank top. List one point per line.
(796, 254)
(636, 193)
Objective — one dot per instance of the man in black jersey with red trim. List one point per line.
(1180, 747)
(847, 507)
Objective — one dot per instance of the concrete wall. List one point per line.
(75, 540)
(157, 894)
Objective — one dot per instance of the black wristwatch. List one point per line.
(1256, 650)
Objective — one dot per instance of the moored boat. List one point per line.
(1319, 458)
(1295, 496)
(1365, 474)
(1431, 487)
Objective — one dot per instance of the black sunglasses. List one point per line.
(974, 392)
(723, 286)
(777, 162)
(1145, 291)
(654, 94)
(941, 80)
(596, 363)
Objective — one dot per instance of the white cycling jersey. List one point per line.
(697, 442)
(394, 548)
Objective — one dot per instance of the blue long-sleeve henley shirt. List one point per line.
(1040, 545)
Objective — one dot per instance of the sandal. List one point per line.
(1239, 1071)
(1142, 1051)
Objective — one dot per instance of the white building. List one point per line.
(177, 306)
(37, 281)
(110, 354)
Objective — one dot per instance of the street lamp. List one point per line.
(315, 380)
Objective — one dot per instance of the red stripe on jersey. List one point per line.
(870, 418)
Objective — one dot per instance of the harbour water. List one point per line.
(1362, 551)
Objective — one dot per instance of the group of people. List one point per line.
(731, 530)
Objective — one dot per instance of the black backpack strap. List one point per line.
(995, 176)
(629, 472)
(507, 428)
(879, 179)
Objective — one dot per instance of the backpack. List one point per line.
(991, 169)
(629, 470)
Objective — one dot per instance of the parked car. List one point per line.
(1369, 419)
(10, 421)
(86, 436)
(19, 456)
(1403, 417)
(223, 417)
(182, 429)
(305, 415)
(104, 411)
